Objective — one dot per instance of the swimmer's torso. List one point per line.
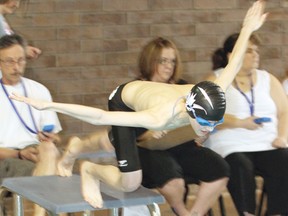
(165, 100)
(143, 95)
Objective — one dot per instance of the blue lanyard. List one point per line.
(250, 102)
(16, 111)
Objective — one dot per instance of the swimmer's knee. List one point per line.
(131, 181)
(130, 187)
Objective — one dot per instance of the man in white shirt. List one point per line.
(25, 149)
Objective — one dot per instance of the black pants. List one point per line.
(186, 161)
(14, 167)
(272, 166)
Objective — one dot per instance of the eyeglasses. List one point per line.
(166, 61)
(206, 123)
(11, 62)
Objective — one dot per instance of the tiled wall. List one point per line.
(91, 46)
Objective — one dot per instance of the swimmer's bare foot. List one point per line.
(90, 186)
(66, 162)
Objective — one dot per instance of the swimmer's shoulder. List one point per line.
(138, 87)
(141, 83)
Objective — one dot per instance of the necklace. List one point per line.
(17, 112)
(250, 102)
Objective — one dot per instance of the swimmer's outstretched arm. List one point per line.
(146, 119)
(254, 19)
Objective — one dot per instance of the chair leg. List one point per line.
(114, 212)
(222, 206)
(51, 214)
(18, 205)
(3, 194)
(86, 213)
(154, 209)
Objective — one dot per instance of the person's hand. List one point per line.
(32, 52)
(249, 123)
(37, 104)
(29, 153)
(280, 142)
(158, 134)
(150, 134)
(255, 16)
(200, 140)
(49, 137)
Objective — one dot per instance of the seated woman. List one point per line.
(155, 106)
(249, 145)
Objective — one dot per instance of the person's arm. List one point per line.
(281, 102)
(170, 139)
(252, 22)
(231, 121)
(151, 119)
(28, 153)
(8, 153)
(150, 134)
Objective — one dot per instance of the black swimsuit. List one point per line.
(123, 138)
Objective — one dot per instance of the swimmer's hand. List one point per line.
(200, 140)
(37, 104)
(255, 16)
(148, 135)
(159, 134)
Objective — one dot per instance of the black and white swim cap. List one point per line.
(206, 100)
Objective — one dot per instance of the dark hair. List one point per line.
(10, 40)
(220, 55)
(219, 59)
(151, 52)
(206, 100)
